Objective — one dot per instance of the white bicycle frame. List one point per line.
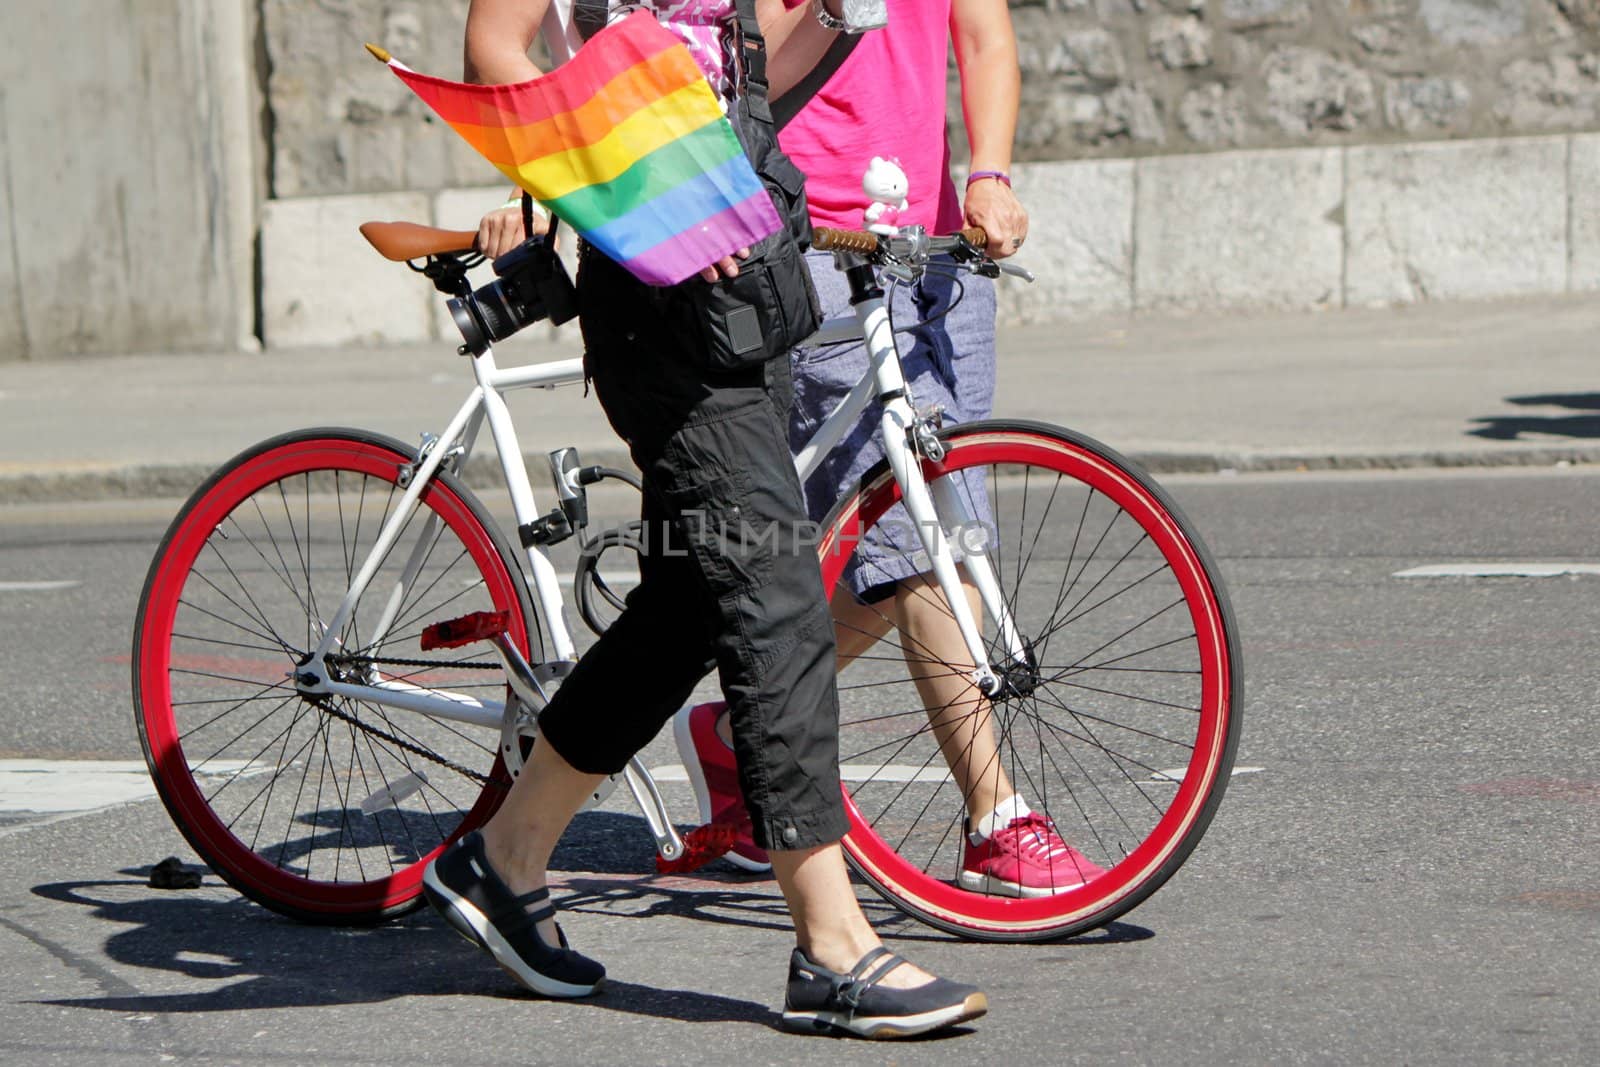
(936, 514)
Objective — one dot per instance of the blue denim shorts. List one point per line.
(948, 363)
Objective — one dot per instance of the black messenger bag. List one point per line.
(770, 305)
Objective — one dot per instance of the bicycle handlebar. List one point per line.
(828, 239)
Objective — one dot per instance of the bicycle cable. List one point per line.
(953, 273)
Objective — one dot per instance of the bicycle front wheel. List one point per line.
(1118, 721)
(324, 808)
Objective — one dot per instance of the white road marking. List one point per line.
(901, 772)
(1175, 774)
(1498, 570)
(64, 789)
(51, 786)
(850, 772)
(37, 587)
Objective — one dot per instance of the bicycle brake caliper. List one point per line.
(429, 441)
(925, 433)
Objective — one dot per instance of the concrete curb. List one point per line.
(178, 480)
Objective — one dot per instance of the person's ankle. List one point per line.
(842, 954)
(511, 863)
(838, 953)
(985, 823)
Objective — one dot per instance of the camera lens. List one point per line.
(502, 313)
(461, 310)
(506, 304)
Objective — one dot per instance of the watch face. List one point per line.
(861, 15)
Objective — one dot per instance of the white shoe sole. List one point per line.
(886, 1027)
(475, 926)
(974, 882)
(683, 737)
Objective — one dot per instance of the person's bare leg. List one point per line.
(938, 661)
(521, 836)
(828, 924)
(858, 626)
(961, 717)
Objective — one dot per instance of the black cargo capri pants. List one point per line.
(729, 573)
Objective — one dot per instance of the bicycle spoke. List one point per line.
(236, 705)
(1112, 680)
(344, 797)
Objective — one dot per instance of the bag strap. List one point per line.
(789, 104)
(752, 62)
(590, 16)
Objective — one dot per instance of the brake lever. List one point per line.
(1015, 271)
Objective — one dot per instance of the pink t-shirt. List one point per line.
(887, 99)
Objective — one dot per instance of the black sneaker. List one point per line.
(853, 1004)
(463, 888)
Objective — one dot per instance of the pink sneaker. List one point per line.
(1025, 859)
(715, 777)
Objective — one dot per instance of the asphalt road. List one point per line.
(1408, 877)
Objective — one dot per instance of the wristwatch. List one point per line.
(858, 16)
(829, 22)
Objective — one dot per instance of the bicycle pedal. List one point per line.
(700, 846)
(453, 633)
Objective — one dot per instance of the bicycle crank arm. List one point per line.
(669, 846)
(524, 680)
(490, 626)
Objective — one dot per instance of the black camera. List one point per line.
(532, 284)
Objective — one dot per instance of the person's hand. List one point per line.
(726, 267)
(501, 230)
(992, 205)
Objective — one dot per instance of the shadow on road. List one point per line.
(270, 962)
(260, 960)
(1511, 427)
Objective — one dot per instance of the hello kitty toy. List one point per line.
(887, 185)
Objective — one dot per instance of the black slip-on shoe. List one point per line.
(463, 888)
(855, 1005)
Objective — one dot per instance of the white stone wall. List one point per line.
(1141, 77)
(127, 191)
(1583, 244)
(169, 170)
(1228, 232)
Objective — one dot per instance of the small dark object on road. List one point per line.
(170, 873)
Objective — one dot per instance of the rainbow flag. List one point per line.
(626, 143)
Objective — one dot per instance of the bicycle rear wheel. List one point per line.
(1121, 729)
(322, 808)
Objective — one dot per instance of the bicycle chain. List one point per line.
(391, 661)
(321, 704)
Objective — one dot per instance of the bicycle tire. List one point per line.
(232, 604)
(1108, 642)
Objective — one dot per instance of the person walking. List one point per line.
(711, 446)
(881, 96)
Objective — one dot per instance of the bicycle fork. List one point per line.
(906, 438)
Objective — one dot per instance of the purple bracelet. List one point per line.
(998, 175)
